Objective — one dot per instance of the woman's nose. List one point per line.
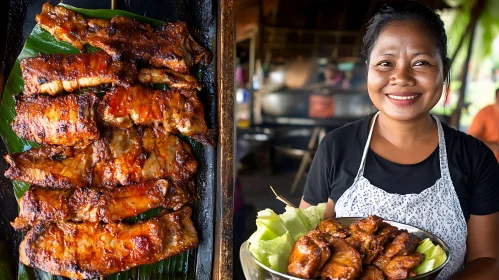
(402, 76)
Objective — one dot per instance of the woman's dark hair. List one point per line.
(408, 11)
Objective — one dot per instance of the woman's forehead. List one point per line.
(404, 36)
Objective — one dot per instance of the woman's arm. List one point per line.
(482, 257)
(329, 213)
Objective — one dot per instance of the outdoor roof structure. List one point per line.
(313, 28)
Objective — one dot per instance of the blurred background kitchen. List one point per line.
(299, 75)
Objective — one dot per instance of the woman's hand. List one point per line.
(329, 213)
(482, 257)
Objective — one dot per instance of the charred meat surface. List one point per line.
(56, 73)
(120, 157)
(133, 155)
(345, 262)
(362, 238)
(168, 77)
(123, 107)
(404, 244)
(310, 252)
(66, 120)
(372, 273)
(400, 267)
(386, 233)
(65, 25)
(89, 250)
(333, 227)
(169, 45)
(52, 166)
(97, 205)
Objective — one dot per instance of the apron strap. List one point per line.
(366, 148)
(444, 165)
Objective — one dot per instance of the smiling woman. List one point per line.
(403, 164)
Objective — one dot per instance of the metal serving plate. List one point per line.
(254, 270)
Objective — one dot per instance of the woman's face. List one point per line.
(405, 77)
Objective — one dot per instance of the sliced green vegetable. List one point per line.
(273, 253)
(425, 266)
(425, 245)
(315, 214)
(272, 221)
(262, 233)
(296, 222)
(434, 255)
(440, 259)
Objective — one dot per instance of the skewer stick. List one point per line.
(113, 4)
(281, 198)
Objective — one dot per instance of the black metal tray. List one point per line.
(17, 19)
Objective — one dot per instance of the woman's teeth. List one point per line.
(398, 97)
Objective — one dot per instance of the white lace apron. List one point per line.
(436, 209)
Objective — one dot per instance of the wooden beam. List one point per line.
(222, 260)
(313, 31)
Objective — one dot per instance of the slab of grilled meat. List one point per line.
(135, 155)
(333, 227)
(173, 109)
(399, 257)
(168, 77)
(169, 45)
(119, 157)
(386, 233)
(55, 73)
(404, 244)
(400, 267)
(65, 120)
(97, 204)
(310, 252)
(362, 238)
(92, 249)
(345, 262)
(52, 166)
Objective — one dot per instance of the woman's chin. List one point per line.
(404, 114)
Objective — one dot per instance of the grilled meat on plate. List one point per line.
(91, 249)
(169, 45)
(66, 120)
(55, 73)
(97, 204)
(119, 157)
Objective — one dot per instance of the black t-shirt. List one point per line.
(473, 169)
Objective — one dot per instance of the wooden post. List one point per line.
(222, 251)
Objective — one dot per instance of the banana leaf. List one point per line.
(180, 266)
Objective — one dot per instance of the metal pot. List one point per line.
(295, 103)
(352, 104)
(289, 103)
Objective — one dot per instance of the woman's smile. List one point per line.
(403, 98)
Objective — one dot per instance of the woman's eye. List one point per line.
(422, 63)
(384, 64)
